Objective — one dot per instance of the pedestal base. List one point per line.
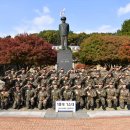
(64, 60)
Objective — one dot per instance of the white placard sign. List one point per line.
(65, 106)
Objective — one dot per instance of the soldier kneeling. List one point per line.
(17, 98)
(30, 96)
(123, 96)
(79, 96)
(101, 94)
(68, 94)
(112, 96)
(55, 95)
(43, 97)
(4, 97)
(91, 94)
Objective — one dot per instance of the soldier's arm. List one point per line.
(116, 92)
(72, 94)
(94, 93)
(61, 94)
(48, 96)
(104, 93)
(35, 94)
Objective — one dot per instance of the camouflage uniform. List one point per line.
(72, 77)
(43, 97)
(101, 94)
(4, 97)
(17, 98)
(112, 96)
(79, 96)
(91, 94)
(30, 97)
(68, 94)
(55, 95)
(123, 96)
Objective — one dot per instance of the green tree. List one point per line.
(125, 29)
(51, 36)
(76, 39)
(103, 49)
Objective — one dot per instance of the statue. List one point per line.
(64, 30)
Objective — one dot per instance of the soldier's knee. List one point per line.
(40, 106)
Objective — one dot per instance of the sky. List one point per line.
(33, 16)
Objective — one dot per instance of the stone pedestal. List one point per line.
(64, 60)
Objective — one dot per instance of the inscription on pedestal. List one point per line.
(64, 60)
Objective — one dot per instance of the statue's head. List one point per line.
(63, 19)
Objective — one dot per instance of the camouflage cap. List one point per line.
(111, 82)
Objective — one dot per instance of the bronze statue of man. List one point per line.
(64, 30)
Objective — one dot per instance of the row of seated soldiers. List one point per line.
(90, 88)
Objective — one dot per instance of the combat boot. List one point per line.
(104, 107)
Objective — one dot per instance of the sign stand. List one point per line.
(65, 106)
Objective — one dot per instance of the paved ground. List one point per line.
(111, 123)
(50, 120)
(50, 113)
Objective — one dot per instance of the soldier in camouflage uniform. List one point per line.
(4, 97)
(18, 99)
(123, 95)
(91, 94)
(112, 94)
(43, 81)
(55, 95)
(61, 73)
(30, 95)
(101, 94)
(65, 80)
(43, 97)
(72, 76)
(68, 93)
(79, 96)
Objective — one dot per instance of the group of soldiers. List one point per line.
(91, 88)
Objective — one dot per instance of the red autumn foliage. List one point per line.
(80, 66)
(26, 49)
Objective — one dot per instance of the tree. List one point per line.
(76, 39)
(124, 51)
(26, 49)
(103, 49)
(125, 29)
(51, 36)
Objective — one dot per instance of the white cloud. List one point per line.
(42, 21)
(124, 10)
(46, 9)
(101, 29)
